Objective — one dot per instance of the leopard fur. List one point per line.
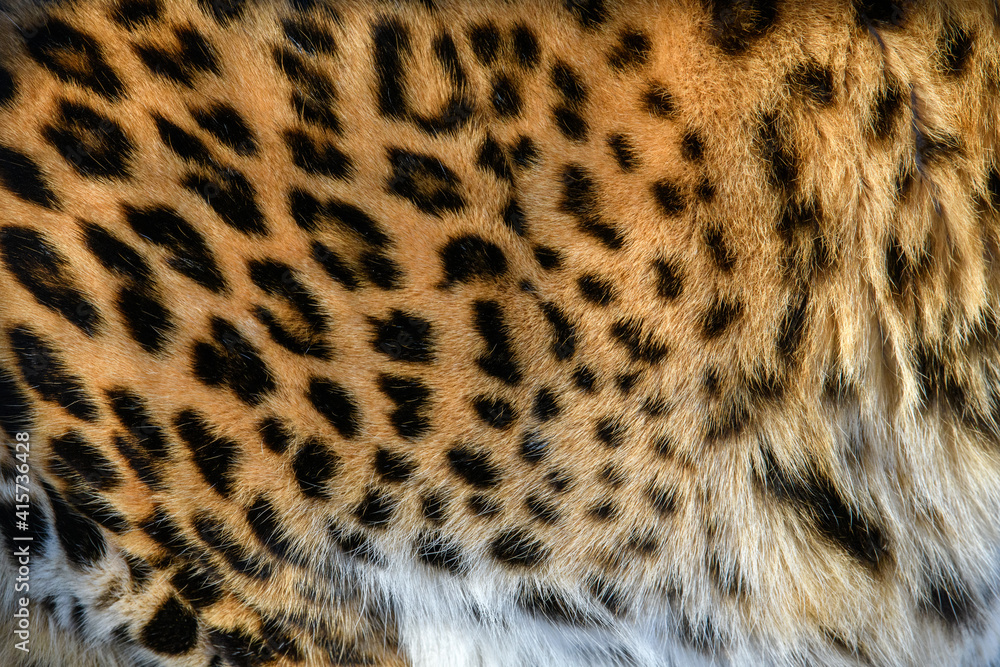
(577, 332)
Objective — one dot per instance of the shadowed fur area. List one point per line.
(525, 333)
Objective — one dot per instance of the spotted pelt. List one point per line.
(577, 332)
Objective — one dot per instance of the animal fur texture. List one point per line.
(455, 333)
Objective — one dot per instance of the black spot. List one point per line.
(474, 466)
(45, 373)
(410, 419)
(226, 124)
(356, 545)
(722, 313)
(216, 457)
(534, 447)
(662, 499)
(470, 257)
(705, 191)
(394, 466)
(230, 360)
(569, 84)
(439, 552)
(335, 403)
(308, 37)
(518, 547)
(611, 597)
(589, 13)
(513, 217)
(626, 381)
(692, 146)
(793, 325)
(585, 378)
(391, 43)
(495, 412)
(669, 197)
(173, 629)
(612, 476)
(887, 106)
(354, 220)
(483, 506)
(195, 56)
(181, 142)
(81, 539)
(669, 282)
(564, 331)
(44, 271)
(949, 599)
(447, 55)
(313, 94)
(280, 280)
(223, 11)
(485, 40)
(140, 462)
(262, 518)
(499, 360)
(659, 101)
(954, 49)
(580, 200)
(728, 419)
(93, 144)
(632, 50)
(549, 258)
(545, 511)
(623, 151)
(610, 432)
(434, 507)
(8, 86)
(403, 337)
(376, 509)
(21, 175)
(524, 153)
(933, 148)
(815, 495)
(275, 434)
(720, 251)
(736, 24)
(425, 181)
(546, 404)
(596, 289)
(134, 415)
(381, 270)
(315, 464)
(570, 123)
(881, 13)
(711, 382)
(86, 460)
(492, 158)
(553, 606)
(525, 46)
(779, 157)
(640, 343)
(147, 320)
(212, 531)
(505, 97)
(200, 588)
(162, 226)
(334, 266)
(16, 413)
(162, 529)
(115, 255)
(74, 57)
(317, 156)
(238, 647)
(813, 81)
